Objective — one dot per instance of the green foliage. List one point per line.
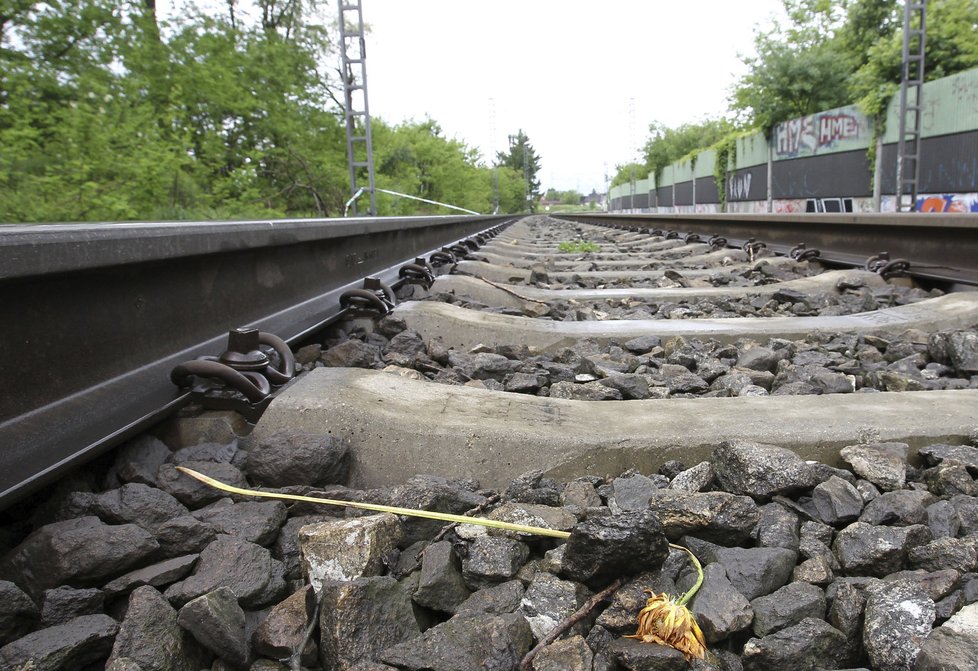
(579, 247)
(570, 197)
(624, 174)
(106, 114)
(414, 158)
(668, 145)
(832, 54)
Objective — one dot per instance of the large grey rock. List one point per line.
(568, 654)
(761, 471)
(284, 628)
(441, 586)
(634, 655)
(76, 552)
(898, 619)
(777, 527)
(846, 615)
(184, 536)
(139, 459)
(431, 492)
(248, 569)
(62, 604)
(954, 645)
(940, 453)
(962, 349)
(719, 608)
(786, 607)
(488, 643)
(810, 644)
(548, 600)
(958, 554)
(255, 521)
(344, 549)
(496, 600)
(150, 636)
(158, 575)
(967, 509)
(18, 613)
(589, 391)
(949, 479)
(531, 514)
(360, 618)
(136, 504)
(883, 464)
(695, 479)
(942, 520)
(531, 487)
(218, 623)
(492, 560)
(293, 457)
(604, 548)
(713, 516)
(192, 492)
(631, 492)
(286, 545)
(352, 353)
(837, 501)
(760, 358)
(867, 549)
(217, 452)
(74, 645)
(899, 508)
(755, 572)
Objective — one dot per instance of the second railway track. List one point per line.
(808, 429)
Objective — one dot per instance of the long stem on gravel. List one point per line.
(684, 599)
(411, 512)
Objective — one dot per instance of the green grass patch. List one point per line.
(578, 246)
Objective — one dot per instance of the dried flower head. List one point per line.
(666, 620)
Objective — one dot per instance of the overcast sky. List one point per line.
(582, 79)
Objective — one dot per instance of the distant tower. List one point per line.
(353, 61)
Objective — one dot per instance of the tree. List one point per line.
(950, 47)
(523, 158)
(667, 145)
(798, 69)
(416, 159)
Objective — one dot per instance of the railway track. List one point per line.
(585, 383)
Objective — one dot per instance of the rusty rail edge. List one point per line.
(94, 317)
(940, 247)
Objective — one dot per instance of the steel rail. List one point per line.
(940, 247)
(94, 317)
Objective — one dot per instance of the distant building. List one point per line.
(599, 200)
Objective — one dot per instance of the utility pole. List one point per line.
(492, 147)
(353, 65)
(631, 148)
(911, 80)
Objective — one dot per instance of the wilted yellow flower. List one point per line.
(666, 620)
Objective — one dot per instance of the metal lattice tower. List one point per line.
(911, 101)
(353, 61)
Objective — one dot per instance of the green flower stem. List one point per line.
(411, 512)
(684, 599)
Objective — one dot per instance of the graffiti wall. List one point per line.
(938, 202)
(821, 162)
(841, 129)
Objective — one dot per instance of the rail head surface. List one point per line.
(95, 316)
(942, 247)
